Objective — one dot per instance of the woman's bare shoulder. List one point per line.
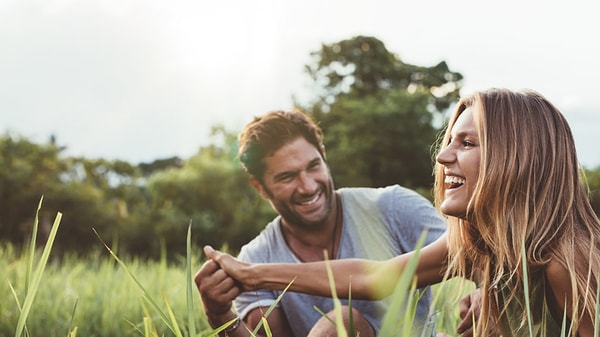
(554, 267)
(558, 277)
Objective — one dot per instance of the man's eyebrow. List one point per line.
(315, 161)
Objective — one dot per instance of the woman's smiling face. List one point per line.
(461, 160)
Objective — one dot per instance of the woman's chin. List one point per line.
(452, 209)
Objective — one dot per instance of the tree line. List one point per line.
(380, 117)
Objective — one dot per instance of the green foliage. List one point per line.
(90, 192)
(89, 297)
(33, 276)
(399, 320)
(394, 146)
(27, 171)
(212, 190)
(95, 296)
(593, 180)
(99, 292)
(379, 114)
(362, 66)
(144, 208)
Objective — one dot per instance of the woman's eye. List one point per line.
(467, 143)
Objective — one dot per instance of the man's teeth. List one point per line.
(454, 181)
(312, 201)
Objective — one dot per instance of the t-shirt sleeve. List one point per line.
(249, 301)
(410, 215)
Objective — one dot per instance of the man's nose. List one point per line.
(306, 183)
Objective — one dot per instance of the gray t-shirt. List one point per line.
(378, 224)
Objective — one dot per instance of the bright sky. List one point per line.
(141, 80)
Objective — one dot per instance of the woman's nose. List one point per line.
(445, 156)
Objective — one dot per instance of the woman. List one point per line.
(508, 180)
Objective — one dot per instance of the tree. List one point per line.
(379, 114)
(27, 172)
(90, 193)
(378, 141)
(211, 190)
(593, 180)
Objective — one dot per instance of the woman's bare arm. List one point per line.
(368, 279)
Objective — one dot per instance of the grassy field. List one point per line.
(98, 297)
(95, 295)
(104, 295)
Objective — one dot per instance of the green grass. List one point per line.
(106, 301)
(100, 295)
(399, 321)
(108, 295)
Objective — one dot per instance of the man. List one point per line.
(284, 155)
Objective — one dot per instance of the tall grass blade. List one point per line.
(447, 319)
(597, 318)
(337, 304)
(189, 290)
(36, 277)
(350, 314)
(73, 333)
(71, 329)
(14, 293)
(563, 327)
(32, 244)
(324, 315)
(135, 326)
(220, 329)
(148, 321)
(149, 328)
(145, 295)
(172, 316)
(259, 325)
(267, 329)
(16, 297)
(390, 320)
(410, 311)
(526, 287)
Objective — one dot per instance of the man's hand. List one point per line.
(222, 272)
(233, 267)
(217, 291)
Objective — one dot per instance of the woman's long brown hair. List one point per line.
(530, 191)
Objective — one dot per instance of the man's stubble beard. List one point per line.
(296, 220)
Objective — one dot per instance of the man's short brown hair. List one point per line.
(267, 133)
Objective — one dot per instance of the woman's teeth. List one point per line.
(453, 181)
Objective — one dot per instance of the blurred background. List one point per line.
(123, 114)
